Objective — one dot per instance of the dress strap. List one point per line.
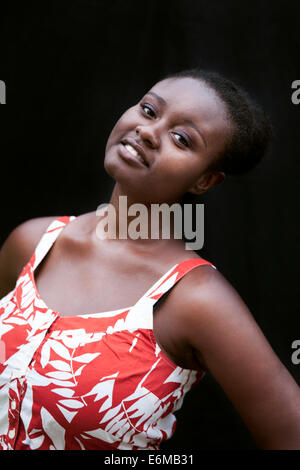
(141, 314)
(168, 280)
(48, 238)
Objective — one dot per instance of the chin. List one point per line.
(115, 171)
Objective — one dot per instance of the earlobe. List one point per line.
(197, 189)
(210, 180)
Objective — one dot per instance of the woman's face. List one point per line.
(178, 128)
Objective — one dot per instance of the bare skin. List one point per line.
(75, 274)
(203, 323)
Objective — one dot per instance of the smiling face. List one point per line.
(161, 148)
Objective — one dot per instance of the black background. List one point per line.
(73, 67)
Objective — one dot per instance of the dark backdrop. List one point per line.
(72, 67)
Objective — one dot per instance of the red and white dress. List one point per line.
(93, 381)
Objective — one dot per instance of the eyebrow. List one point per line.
(187, 121)
(160, 99)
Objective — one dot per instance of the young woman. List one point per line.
(73, 378)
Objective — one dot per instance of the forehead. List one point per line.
(195, 100)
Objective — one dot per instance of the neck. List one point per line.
(125, 218)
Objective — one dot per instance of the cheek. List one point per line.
(181, 164)
(179, 172)
(124, 124)
(113, 133)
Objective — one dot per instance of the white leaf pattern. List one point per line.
(45, 354)
(80, 443)
(79, 370)
(36, 442)
(86, 357)
(53, 429)
(72, 403)
(64, 392)
(59, 349)
(69, 415)
(60, 365)
(17, 321)
(60, 375)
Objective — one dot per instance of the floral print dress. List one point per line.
(93, 381)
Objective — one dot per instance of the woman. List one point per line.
(112, 380)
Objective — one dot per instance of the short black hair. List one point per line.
(252, 129)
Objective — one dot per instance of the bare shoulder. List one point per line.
(18, 248)
(209, 304)
(207, 287)
(207, 309)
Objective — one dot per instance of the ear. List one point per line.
(207, 181)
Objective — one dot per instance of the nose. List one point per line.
(149, 135)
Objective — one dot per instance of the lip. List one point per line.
(127, 156)
(136, 147)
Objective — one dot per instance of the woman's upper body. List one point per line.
(169, 144)
(202, 325)
(91, 380)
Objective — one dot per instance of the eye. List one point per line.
(181, 139)
(147, 109)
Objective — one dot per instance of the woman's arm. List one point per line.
(227, 340)
(17, 250)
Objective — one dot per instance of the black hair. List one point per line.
(252, 129)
